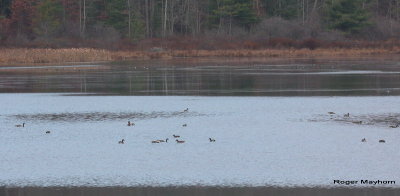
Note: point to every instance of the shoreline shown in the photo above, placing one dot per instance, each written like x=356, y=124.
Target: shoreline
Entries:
x=197, y=191
x=17, y=56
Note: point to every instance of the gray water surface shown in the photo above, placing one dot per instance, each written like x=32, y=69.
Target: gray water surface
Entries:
x=215, y=77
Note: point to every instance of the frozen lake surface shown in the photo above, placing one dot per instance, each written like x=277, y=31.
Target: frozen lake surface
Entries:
x=283, y=141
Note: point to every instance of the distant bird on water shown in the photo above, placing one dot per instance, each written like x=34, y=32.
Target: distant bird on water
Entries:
x=23, y=125
x=186, y=110
x=179, y=141
x=382, y=141
x=176, y=136
x=211, y=140
x=357, y=122
x=364, y=140
x=184, y=125
x=131, y=124
x=121, y=142
x=331, y=112
x=47, y=132
x=347, y=115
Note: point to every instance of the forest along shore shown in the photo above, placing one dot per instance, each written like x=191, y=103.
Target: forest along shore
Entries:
x=10, y=56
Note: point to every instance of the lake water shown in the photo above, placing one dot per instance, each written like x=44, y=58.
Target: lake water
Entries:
x=276, y=123
x=216, y=77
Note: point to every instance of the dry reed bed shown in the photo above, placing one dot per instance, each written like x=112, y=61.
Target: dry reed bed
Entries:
x=32, y=56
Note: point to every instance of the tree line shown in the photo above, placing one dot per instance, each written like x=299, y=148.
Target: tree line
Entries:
x=133, y=20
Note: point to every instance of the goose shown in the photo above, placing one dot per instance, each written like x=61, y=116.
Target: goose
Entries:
x=186, y=110
x=382, y=141
x=347, y=115
x=364, y=140
x=211, y=140
x=131, y=124
x=121, y=142
x=357, y=122
x=184, y=125
x=179, y=141
x=23, y=125
x=394, y=126
x=47, y=132
x=176, y=136
x=166, y=140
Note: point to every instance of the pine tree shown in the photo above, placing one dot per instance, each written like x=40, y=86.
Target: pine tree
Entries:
x=48, y=18
x=347, y=16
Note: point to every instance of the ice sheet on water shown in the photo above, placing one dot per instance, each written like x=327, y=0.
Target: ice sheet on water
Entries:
x=259, y=141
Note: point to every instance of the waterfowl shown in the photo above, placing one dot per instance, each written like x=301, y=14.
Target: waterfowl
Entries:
x=47, y=132
x=211, y=140
x=23, y=125
x=155, y=141
x=382, y=141
x=331, y=112
x=184, y=125
x=176, y=136
x=166, y=140
x=131, y=124
x=186, y=110
x=179, y=141
x=121, y=142
x=357, y=122
x=347, y=115
x=364, y=140
x=394, y=126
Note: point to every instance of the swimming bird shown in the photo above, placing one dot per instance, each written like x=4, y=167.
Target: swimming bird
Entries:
x=176, y=136
x=394, y=126
x=155, y=141
x=179, y=141
x=382, y=141
x=121, y=142
x=131, y=124
x=331, y=112
x=186, y=110
x=364, y=140
x=211, y=140
x=357, y=122
x=160, y=141
x=23, y=125
x=184, y=125
x=347, y=115
x=47, y=132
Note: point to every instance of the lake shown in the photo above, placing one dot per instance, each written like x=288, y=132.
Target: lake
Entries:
x=276, y=123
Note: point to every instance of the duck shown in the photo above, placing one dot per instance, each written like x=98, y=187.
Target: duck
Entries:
x=364, y=140
x=211, y=140
x=23, y=125
x=394, y=126
x=382, y=141
x=357, y=122
x=176, y=136
x=347, y=115
x=155, y=141
x=121, y=142
x=47, y=132
x=131, y=124
x=186, y=110
x=179, y=141
x=331, y=112
x=166, y=140
x=184, y=125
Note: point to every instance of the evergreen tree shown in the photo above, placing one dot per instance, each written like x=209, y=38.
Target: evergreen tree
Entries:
x=48, y=18
x=347, y=16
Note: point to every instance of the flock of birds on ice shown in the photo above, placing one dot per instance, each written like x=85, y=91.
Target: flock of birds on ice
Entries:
x=122, y=141
x=360, y=122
